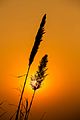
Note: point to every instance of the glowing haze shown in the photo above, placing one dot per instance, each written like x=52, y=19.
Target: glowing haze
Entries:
x=59, y=95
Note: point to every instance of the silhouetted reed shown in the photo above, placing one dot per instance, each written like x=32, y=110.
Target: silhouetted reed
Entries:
x=38, y=39
x=37, y=79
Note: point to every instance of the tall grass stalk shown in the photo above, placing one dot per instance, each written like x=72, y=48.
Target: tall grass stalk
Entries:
x=37, y=80
x=22, y=95
x=38, y=39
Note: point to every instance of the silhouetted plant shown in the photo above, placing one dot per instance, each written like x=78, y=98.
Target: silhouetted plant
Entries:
x=37, y=79
x=38, y=39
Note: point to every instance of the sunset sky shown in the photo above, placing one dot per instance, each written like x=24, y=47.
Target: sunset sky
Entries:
x=59, y=95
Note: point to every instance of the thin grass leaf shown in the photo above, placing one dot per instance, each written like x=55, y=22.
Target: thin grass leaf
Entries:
x=21, y=76
x=38, y=39
x=18, y=76
x=12, y=105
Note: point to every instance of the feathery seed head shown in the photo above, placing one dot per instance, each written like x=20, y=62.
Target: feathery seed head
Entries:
x=37, y=79
x=38, y=40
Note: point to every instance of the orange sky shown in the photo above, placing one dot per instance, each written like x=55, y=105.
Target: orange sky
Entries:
x=59, y=95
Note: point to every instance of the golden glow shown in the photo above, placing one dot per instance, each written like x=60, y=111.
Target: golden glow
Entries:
x=19, y=22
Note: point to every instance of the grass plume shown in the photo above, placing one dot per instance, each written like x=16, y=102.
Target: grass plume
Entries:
x=38, y=39
x=37, y=79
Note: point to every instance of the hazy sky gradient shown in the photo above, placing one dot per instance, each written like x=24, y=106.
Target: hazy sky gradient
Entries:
x=59, y=95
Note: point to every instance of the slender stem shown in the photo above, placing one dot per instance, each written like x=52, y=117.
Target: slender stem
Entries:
x=30, y=105
x=17, y=114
